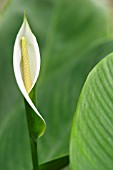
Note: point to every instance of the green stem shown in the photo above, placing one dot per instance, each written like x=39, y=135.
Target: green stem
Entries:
x=31, y=117
x=33, y=141
x=34, y=154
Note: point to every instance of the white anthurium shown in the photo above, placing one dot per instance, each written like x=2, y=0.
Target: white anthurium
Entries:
x=26, y=63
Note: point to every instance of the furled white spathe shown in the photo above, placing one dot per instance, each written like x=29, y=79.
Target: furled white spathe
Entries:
x=34, y=61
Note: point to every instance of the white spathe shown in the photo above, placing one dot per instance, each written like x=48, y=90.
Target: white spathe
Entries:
x=34, y=60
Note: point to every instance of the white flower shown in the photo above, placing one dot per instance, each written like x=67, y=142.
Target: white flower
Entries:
x=26, y=63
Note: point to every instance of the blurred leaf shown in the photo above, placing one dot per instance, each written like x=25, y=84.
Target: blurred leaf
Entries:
x=70, y=54
x=70, y=43
x=92, y=132
x=3, y=4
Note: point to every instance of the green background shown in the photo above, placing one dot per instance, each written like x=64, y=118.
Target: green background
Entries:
x=73, y=35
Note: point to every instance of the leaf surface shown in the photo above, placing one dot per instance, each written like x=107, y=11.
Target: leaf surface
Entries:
x=92, y=131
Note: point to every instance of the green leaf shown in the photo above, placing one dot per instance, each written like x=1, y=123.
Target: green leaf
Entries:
x=92, y=131
x=56, y=164
x=71, y=42
x=35, y=124
x=69, y=56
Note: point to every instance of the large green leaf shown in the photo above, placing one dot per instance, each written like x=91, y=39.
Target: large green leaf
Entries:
x=69, y=56
x=71, y=37
x=92, y=131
